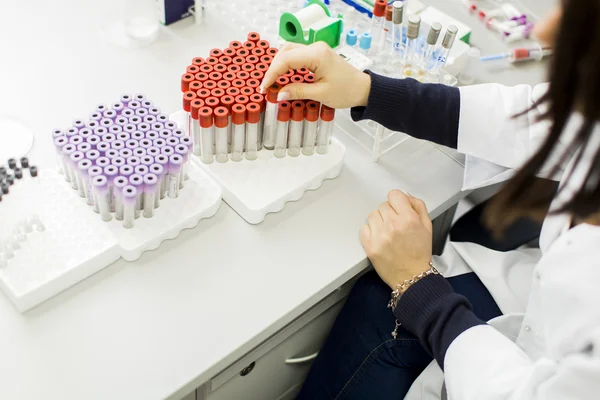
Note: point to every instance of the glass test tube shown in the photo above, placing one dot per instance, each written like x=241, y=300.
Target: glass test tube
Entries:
x=129, y=196
x=137, y=181
x=447, y=43
x=195, y=132
x=296, y=128
x=252, y=124
x=386, y=33
x=238, y=118
x=75, y=157
x=270, y=117
x=258, y=99
x=159, y=171
x=111, y=172
x=310, y=128
x=430, y=42
x=281, y=130
x=221, y=124
x=325, y=129
x=150, y=185
x=119, y=184
x=175, y=166
x=182, y=150
x=84, y=167
x=412, y=33
x=100, y=188
x=397, y=15
x=377, y=22
x=207, y=133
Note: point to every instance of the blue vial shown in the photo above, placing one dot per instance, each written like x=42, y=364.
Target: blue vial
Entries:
x=365, y=43
x=351, y=38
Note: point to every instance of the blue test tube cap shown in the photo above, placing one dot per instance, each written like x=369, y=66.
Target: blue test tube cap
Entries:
x=351, y=37
x=365, y=41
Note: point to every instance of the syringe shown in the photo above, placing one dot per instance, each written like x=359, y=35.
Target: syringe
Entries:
x=520, y=54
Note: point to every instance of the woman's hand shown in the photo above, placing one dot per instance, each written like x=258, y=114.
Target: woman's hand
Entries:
x=398, y=238
x=337, y=83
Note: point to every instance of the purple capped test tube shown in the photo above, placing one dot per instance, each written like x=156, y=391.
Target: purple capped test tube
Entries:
x=79, y=123
x=175, y=167
x=162, y=118
x=137, y=135
x=186, y=140
x=129, y=198
x=122, y=121
x=124, y=136
x=96, y=116
x=115, y=129
x=152, y=135
x=117, y=144
x=118, y=184
x=100, y=188
x=103, y=162
x=147, y=160
x=100, y=131
x=144, y=127
x=93, y=172
x=146, y=143
x=132, y=144
x=57, y=133
x=126, y=171
x=94, y=140
x=149, y=119
x=170, y=125
x=106, y=122
x=147, y=103
x=172, y=141
x=75, y=157
x=118, y=106
x=67, y=150
x=134, y=105
x=129, y=128
x=179, y=133
x=112, y=153
x=135, y=120
x=133, y=161
x=126, y=153
x=164, y=133
x=184, y=152
x=141, y=112
x=109, y=137
x=157, y=126
x=86, y=133
x=139, y=97
x=167, y=150
x=153, y=151
x=118, y=162
x=84, y=167
x=76, y=140
x=154, y=111
x=103, y=147
x=127, y=112
x=163, y=161
x=141, y=169
x=111, y=172
x=101, y=108
x=92, y=155
x=150, y=186
x=159, y=171
x=71, y=132
x=125, y=98
x=139, y=152
x=160, y=143
x=84, y=147
x=110, y=114
x=93, y=124
x=137, y=181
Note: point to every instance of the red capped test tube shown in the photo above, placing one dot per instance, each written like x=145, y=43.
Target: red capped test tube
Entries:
x=238, y=118
x=207, y=133
x=268, y=134
x=284, y=109
x=253, y=37
x=310, y=128
x=260, y=100
x=296, y=129
x=325, y=129
x=252, y=120
x=196, y=132
x=221, y=123
x=188, y=97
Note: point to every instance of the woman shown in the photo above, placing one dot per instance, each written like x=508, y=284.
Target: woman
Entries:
x=546, y=345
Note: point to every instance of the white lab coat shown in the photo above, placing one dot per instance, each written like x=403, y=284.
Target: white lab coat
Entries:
x=547, y=343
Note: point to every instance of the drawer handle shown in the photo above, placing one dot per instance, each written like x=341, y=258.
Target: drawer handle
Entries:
x=302, y=360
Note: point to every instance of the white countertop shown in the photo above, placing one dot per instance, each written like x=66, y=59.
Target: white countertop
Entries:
x=168, y=322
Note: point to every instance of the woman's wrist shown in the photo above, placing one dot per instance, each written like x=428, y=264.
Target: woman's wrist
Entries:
x=364, y=89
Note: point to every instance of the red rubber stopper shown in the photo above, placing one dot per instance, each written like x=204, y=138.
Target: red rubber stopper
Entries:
x=210, y=85
x=379, y=8
x=302, y=71
x=297, y=79
x=229, y=52
x=220, y=68
x=205, y=115
x=206, y=68
x=186, y=79
x=298, y=111
x=239, y=83
x=249, y=45
x=221, y=117
x=259, y=90
x=218, y=93
x=242, y=52
x=252, y=59
x=253, y=83
x=195, y=86
x=257, y=75
x=192, y=69
x=247, y=91
x=248, y=67
x=253, y=37
x=212, y=102
x=243, y=75
x=227, y=102
x=312, y=111
x=242, y=99
x=389, y=11
x=203, y=94
x=284, y=109
x=230, y=76
x=258, y=99
x=253, y=113
x=198, y=61
x=309, y=78
x=187, y=99
x=224, y=84
x=212, y=60
x=327, y=113
x=196, y=105
x=290, y=73
x=225, y=60
x=233, y=91
x=215, y=76
x=263, y=44
x=239, y=61
x=267, y=59
x=201, y=76
x=262, y=67
x=233, y=68
x=272, y=51
x=238, y=114
x=216, y=53
x=235, y=44
x=258, y=52
x=272, y=92
x=283, y=80
x=521, y=53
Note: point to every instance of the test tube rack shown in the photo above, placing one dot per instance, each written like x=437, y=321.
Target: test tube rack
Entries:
x=69, y=241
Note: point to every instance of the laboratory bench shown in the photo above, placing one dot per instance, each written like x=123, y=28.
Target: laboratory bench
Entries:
x=232, y=309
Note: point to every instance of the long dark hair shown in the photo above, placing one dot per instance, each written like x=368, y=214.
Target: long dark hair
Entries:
x=574, y=86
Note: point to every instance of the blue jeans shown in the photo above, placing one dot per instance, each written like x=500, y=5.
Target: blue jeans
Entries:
x=361, y=360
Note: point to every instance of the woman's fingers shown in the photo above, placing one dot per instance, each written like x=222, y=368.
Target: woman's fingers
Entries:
x=301, y=91
x=399, y=202
x=419, y=206
x=294, y=57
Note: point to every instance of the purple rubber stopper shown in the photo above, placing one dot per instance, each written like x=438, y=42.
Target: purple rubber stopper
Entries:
x=100, y=108
x=111, y=172
x=118, y=144
x=157, y=126
x=136, y=180
x=146, y=143
x=76, y=157
x=93, y=124
x=76, y=140
x=120, y=182
x=149, y=119
x=112, y=153
x=57, y=133
x=125, y=98
x=103, y=161
x=106, y=122
x=150, y=181
x=125, y=153
x=178, y=133
x=162, y=118
x=153, y=135
x=60, y=142
x=172, y=141
x=78, y=123
x=129, y=194
x=118, y=106
x=115, y=129
x=186, y=140
x=110, y=114
x=133, y=161
x=100, y=131
x=134, y=105
x=92, y=155
x=175, y=163
x=183, y=151
x=146, y=104
x=84, y=147
x=84, y=166
x=162, y=160
x=153, y=151
x=86, y=133
x=167, y=150
x=103, y=147
x=141, y=112
x=144, y=127
x=94, y=140
x=157, y=169
x=126, y=170
x=139, y=97
x=160, y=143
x=154, y=111
x=129, y=128
x=139, y=152
x=118, y=161
x=147, y=160
x=128, y=112
x=170, y=125
x=124, y=136
x=100, y=183
x=94, y=171
x=132, y=144
x=164, y=133
x=109, y=137
x=137, y=135
x=72, y=132
x=135, y=120
x=141, y=170
x=121, y=121
x=96, y=116
x=68, y=149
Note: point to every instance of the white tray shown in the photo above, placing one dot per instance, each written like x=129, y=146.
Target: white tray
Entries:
x=256, y=188
x=76, y=243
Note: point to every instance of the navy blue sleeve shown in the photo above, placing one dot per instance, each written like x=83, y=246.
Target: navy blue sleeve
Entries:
x=432, y=311
x=426, y=111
